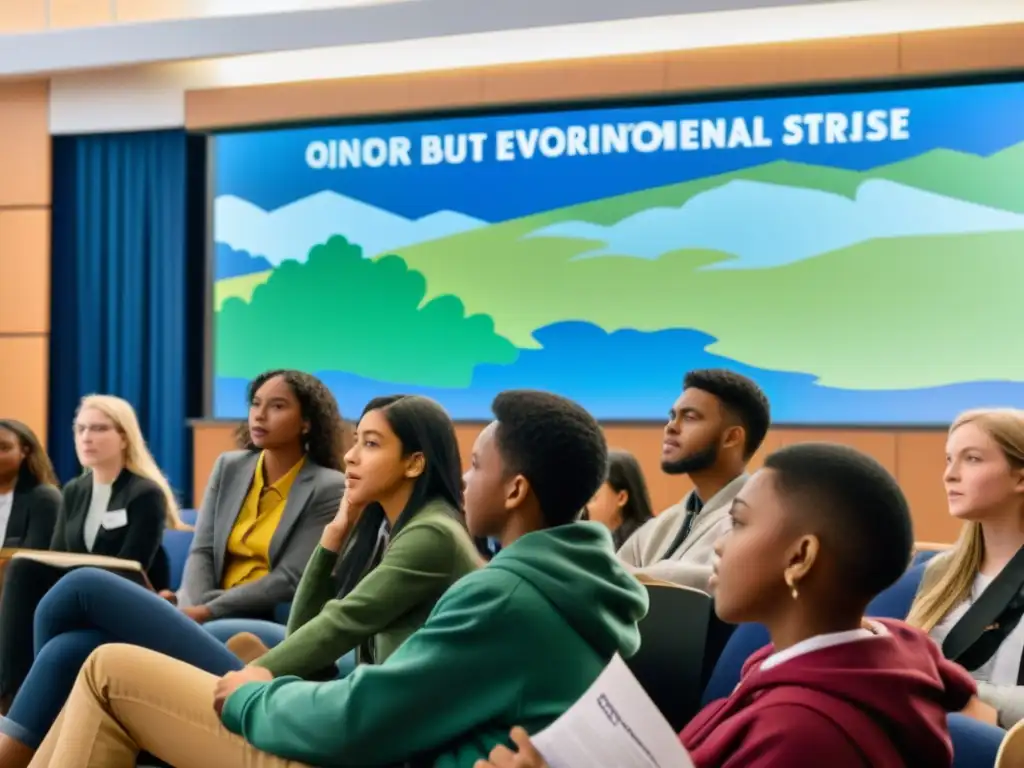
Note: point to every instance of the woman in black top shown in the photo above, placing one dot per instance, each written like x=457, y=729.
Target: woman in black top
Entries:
x=119, y=507
x=622, y=502
x=29, y=496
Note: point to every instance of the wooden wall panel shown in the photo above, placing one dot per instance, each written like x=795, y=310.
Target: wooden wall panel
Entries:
x=976, y=49
x=915, y=458
x=25, y=381
x=22, y=15
x=921, y=460
x=879, y=445
x=873, y=58
x=25, y=270
x=25, y=148
x=80, y=13
x=812, y=61
x=154, y=10
x=24, y=251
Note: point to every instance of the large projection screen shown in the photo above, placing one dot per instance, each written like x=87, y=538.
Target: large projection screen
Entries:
x=860, y=255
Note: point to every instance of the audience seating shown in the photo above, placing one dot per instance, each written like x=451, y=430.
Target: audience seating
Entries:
x=895, y=602
x=719, y=633
x=670, y=661
x=926, y=550
x=176, y=544
x=746, y=639
x=975, y=744
x=1011, y=750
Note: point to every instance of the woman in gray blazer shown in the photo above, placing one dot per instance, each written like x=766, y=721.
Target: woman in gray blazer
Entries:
x=263, y=513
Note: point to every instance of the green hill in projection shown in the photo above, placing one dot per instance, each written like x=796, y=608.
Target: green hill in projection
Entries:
x=883, y=314
x=996, y=180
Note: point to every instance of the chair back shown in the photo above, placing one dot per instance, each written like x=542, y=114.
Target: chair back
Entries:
x=744, y=641
x=670, y=661
x=1011, y=749
x=975, y=744
x=895, y=602
x=719, y=633
x=176, y=545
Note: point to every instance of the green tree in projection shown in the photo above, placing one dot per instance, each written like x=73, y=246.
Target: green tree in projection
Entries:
x=341, y=312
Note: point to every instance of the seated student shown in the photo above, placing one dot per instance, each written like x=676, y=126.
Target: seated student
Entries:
x=815, y=536
x=264, y=508
x=119, y=507
x=403, y=473
x=714, y=428
x=972, y=597
x=516, y=641
x=622, y=503
x=29, y=492
x=403, y=538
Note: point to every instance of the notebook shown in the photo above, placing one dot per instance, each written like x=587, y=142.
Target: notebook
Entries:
x=130, y=569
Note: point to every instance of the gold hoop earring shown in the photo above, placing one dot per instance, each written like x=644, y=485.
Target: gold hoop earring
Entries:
x=792, y=587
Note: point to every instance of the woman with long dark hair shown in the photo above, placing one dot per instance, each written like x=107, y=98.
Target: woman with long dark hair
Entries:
x=395, y=544
x=29, y=496
x=622, y=503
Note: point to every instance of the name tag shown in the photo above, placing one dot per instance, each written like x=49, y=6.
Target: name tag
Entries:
x=114, y=519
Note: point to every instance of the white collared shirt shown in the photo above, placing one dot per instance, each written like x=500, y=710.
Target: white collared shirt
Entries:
x=820, y=642
x=6, y=505
x=97, y=509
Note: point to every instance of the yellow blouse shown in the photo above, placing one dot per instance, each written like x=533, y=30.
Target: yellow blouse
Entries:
x=248, y=555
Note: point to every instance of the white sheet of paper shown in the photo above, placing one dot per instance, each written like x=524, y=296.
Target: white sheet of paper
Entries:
x=614, y=723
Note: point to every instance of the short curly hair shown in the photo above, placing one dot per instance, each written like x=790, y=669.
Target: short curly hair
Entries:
x=556, y=445
x=741, y=397
x=327, y=430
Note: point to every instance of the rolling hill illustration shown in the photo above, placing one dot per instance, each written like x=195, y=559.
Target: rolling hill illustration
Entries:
x=887, y=280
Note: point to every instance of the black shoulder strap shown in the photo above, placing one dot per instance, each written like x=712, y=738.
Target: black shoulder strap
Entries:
x=993, y=616
x=693, y=507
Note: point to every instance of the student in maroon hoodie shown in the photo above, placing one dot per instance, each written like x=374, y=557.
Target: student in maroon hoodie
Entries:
x=816, y=535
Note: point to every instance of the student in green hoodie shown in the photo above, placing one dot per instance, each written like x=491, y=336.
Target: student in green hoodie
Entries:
x=516, y=642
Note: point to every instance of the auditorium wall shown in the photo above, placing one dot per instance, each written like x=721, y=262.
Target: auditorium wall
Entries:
x=915, y=457
x=24, y=252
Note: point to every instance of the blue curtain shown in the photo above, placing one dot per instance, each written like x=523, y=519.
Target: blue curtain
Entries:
x=128, y=287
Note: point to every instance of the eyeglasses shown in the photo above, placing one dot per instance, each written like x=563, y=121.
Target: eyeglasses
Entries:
x=96, y=429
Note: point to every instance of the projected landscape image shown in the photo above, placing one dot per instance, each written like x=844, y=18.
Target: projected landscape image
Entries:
x=859, y=282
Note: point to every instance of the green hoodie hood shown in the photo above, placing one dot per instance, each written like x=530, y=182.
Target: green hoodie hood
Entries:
x=575, y=567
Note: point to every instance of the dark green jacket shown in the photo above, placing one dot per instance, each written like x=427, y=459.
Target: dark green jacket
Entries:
x=514, y=643
x=430, y=553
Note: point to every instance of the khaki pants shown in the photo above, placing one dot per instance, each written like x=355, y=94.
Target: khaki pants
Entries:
x=129, y=699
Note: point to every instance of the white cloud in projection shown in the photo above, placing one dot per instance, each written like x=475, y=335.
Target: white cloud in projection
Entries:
x=768, y=225
x=289, y=232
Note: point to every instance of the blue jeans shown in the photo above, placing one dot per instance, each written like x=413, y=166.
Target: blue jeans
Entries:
x=86, y=609
x=269, y=632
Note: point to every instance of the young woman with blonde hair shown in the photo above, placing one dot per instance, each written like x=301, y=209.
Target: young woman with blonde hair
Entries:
x=971, y=598
x=118, y=507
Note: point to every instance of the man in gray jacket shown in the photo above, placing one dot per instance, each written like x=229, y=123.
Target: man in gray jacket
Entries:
x=715, y=427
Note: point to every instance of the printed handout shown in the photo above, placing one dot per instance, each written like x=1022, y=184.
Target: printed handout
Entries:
x=613, y=724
